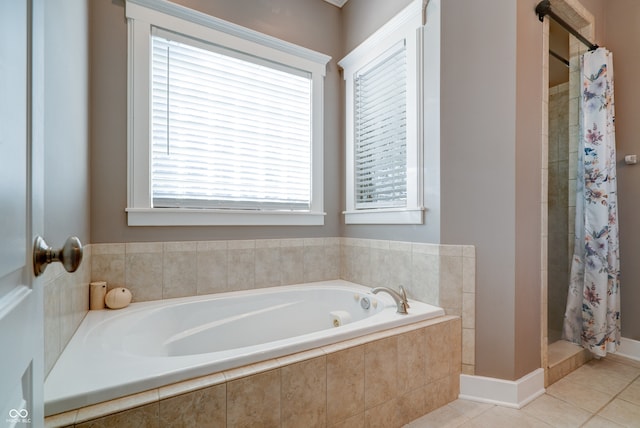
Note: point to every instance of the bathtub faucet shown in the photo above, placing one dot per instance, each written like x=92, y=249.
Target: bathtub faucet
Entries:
x=400, y=298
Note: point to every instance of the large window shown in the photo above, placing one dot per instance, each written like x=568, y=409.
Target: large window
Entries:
x=225, y=124
x=383, y=124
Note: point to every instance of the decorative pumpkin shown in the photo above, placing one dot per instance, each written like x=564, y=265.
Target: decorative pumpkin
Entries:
x=118, y=298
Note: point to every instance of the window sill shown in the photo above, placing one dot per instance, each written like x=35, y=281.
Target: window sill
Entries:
x=385, y=216
x=207, y=217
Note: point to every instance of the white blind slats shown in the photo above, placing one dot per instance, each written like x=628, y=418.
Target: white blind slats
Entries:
x=228, y=133
x=380, y=132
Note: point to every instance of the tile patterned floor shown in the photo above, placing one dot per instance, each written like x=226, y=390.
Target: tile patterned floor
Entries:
x=601, y=394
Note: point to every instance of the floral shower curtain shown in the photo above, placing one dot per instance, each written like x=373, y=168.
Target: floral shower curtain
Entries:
x=592, y=317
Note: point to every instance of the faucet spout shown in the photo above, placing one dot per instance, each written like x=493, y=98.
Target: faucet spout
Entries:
x=400, y=298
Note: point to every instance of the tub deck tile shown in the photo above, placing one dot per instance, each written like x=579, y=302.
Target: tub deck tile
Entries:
x=300, y=356
x=112, y=406
x=191, y=385
x=61, y=419
x=250, y=370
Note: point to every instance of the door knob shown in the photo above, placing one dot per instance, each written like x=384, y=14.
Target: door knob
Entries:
x=70, y=255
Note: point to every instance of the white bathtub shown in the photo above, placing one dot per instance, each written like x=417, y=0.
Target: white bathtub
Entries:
x=150, y=344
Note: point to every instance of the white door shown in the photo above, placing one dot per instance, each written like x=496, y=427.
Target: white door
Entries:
x=21, y=182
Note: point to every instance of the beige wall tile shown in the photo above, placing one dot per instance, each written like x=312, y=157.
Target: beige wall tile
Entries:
x=143, y=275
x=332, y=258
x=267, y=264
x=66, y=304
x=454, y=344
x=212, y=267
x=411, y=360
x=450, y=282
x=438, y=393
x=468, y=346
x=139, y=417
x=179, y=269
x=399, y=265
x=380, y=371
x=384, y=415
x=345, y=384
x=108, y=267
x=203, y=408
x=422, y=248
x=240, y=268
x=61, y=420
x=468, y=310
x=356, y=421
x=254, y=401
x=292, y=261
x=314, y=260
x=52, y=319
x=425, y=283
x=411, y=405
x=381, y=269
x=357, y=261
x=304, y=394
x=65, y=286
x=437, y=356
x=469, y=274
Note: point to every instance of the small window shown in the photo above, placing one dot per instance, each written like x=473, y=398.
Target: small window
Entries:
x=231, y=129
x=380, y=131
x=383, y=132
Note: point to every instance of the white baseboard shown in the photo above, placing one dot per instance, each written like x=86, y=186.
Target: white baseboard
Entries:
x=507, y=393
x=629, y=348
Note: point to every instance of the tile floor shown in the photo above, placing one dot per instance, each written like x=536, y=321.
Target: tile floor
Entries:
x=603, y=393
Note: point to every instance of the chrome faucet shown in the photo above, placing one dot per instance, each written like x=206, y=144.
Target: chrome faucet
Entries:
x=400, y=298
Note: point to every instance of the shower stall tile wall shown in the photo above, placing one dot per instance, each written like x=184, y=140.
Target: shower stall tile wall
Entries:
x=442, y=275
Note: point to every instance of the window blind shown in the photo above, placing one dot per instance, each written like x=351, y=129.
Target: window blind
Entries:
x=380, y=131
x=229, y=131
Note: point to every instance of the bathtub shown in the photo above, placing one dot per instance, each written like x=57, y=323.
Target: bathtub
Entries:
x=151, y=344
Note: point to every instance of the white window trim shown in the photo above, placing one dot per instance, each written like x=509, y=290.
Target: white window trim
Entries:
x=141, y=15
x=406, y=25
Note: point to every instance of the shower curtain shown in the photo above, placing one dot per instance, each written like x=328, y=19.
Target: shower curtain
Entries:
x=592, y=317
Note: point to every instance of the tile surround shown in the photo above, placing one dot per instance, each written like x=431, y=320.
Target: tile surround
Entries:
x=328, y=387
x=66, y=298
x=432, y=273
x=151, y=271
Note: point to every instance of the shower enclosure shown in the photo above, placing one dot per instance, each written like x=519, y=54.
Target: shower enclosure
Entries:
x=565, y=49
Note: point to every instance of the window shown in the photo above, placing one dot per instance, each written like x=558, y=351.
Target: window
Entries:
x=225, y=124
x=383, y=124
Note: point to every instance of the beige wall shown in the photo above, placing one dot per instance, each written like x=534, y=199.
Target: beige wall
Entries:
x=310, y=23
x=361, y=18
x=622, y=37
x=490, y=154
